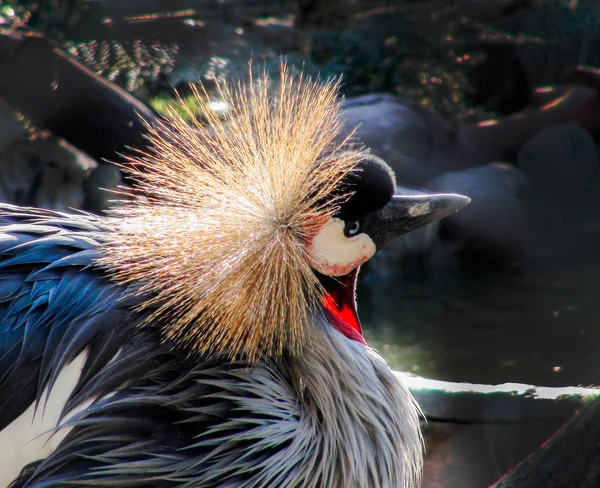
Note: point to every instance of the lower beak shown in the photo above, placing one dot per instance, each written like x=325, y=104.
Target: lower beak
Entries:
x=405, y=213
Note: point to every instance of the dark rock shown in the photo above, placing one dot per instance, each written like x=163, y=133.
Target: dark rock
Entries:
x=492, y=229
x=499, y=82
x=416, y=144
x=319, y=14
x=104, y=178
x=501, y=139
x=278, y=35
x=58, y=93
x=46, y=172
x=37, y=169
x=562, y=166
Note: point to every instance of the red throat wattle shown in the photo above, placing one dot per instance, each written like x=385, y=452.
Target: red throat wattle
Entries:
x=340, y=306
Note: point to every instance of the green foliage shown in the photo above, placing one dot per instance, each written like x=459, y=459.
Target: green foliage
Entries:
x=164, y=104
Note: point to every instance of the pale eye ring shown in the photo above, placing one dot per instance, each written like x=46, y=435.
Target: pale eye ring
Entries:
x=352, y=228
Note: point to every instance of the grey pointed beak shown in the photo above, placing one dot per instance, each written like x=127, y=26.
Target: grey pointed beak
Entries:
x=405, y=213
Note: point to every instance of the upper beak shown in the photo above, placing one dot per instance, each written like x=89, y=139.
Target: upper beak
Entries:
x=405, y=213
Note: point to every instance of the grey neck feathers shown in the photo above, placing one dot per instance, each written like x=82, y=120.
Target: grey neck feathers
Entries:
x=360, y=420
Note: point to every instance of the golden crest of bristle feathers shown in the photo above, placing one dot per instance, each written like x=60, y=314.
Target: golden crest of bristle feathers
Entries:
x=218, y=241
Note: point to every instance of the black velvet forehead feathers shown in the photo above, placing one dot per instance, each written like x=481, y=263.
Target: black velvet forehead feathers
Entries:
x=373, y=183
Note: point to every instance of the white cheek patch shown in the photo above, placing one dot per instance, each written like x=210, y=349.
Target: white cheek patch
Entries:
x=334, y=254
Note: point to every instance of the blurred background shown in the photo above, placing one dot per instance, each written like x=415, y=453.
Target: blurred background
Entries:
x=494, y=99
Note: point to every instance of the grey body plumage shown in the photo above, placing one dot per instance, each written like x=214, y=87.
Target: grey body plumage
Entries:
x=336, y=417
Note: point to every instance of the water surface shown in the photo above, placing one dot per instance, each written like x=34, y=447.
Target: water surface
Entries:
x=538, y=326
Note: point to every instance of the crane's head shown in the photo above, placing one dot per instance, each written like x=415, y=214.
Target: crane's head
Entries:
x=369, y=218
x=241, y=230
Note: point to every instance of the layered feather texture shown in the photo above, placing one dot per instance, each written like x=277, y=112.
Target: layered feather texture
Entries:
x=218, y=241
x=335, y=416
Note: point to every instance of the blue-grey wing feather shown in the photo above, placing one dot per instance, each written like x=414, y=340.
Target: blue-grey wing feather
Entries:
x=157, y=417
x=52, y=300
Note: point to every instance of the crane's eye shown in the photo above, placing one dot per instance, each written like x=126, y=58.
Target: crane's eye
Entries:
x=352, y=228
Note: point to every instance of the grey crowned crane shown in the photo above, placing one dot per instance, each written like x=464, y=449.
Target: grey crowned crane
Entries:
x=205, y=334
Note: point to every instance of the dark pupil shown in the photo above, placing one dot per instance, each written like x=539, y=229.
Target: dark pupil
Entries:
x=351, y=228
